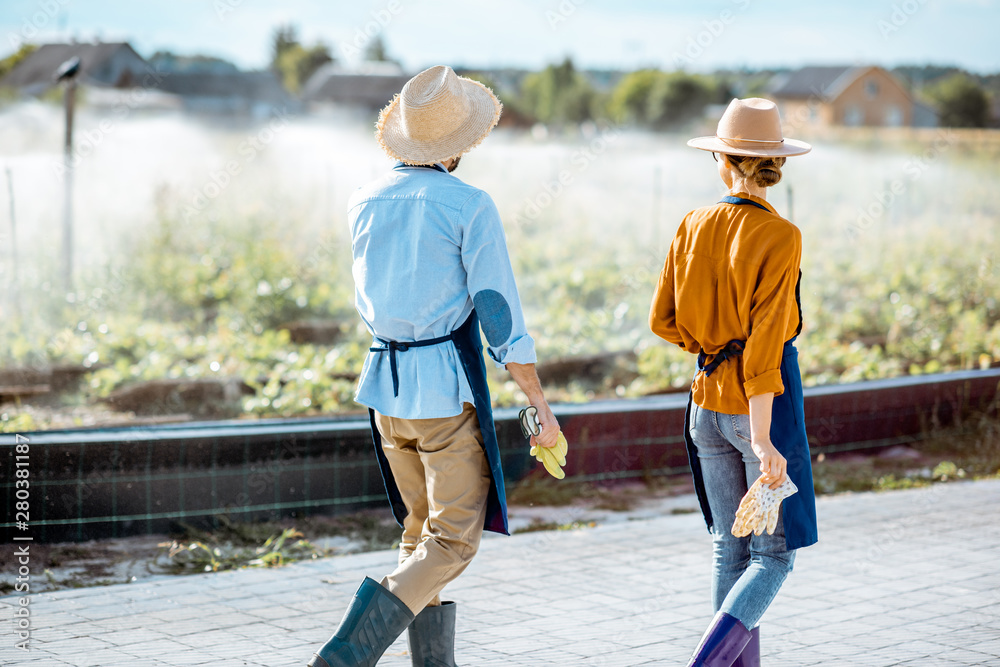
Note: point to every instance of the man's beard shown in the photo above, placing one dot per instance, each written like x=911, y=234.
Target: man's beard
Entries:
x=454, y=165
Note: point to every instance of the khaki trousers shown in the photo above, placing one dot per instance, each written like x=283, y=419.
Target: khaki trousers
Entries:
x=440, y=468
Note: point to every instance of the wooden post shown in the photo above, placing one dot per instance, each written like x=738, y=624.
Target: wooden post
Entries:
x=69, y=98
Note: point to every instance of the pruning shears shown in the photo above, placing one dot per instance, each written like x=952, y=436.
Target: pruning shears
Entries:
x=528, y=417
x=553, y=458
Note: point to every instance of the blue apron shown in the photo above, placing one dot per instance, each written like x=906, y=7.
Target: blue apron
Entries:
x=788, y=434
x=470, y=350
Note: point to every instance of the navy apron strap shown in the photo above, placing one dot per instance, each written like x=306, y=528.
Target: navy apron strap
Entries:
x=394, y=346
x=399, y=511
x=435, y=166
x=733, y=348
x=695, y=463
x=470, y=352
x=729, y=199
x=788, y=434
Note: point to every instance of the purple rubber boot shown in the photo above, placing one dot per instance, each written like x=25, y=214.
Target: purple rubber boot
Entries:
x=722, y=643
x=751, y=652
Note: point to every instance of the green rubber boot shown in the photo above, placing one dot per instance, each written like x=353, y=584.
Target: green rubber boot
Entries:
x=432, y=637
x=371, y=624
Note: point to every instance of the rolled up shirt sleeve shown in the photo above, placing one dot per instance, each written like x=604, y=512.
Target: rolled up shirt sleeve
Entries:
x=773, y=309
x=663, y=311
x=491, y=283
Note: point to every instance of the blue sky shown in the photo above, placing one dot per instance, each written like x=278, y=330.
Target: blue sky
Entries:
x=596, y=33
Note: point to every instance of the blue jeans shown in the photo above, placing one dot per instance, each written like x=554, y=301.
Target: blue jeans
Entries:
x=747, y=572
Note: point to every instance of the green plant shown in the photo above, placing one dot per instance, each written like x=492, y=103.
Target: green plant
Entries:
x=538, y=525
x=661, y=100
x=558, y=94
x=961, y=101
x=201, y=556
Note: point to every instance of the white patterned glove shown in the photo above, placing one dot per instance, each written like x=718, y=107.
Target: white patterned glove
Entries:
x=758, y=511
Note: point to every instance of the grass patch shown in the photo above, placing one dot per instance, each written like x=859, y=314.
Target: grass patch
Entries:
x=199, y=556
x=538, y=525
x=968, y=451
x=547, y=492
x=234, y=545
x=616, y=496
x=75, y=582
x=375, y=529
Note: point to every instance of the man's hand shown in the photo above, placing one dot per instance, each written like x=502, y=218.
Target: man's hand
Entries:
x=550, y=427
x=527, y=379
x=550, y=437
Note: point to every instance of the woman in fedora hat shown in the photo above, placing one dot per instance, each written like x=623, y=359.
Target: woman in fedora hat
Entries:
x=729, y=292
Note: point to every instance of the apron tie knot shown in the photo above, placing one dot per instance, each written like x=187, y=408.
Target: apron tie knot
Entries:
x=394, y=346
x=733, y=348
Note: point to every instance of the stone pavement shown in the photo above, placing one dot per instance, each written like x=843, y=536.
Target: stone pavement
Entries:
x=899, y=578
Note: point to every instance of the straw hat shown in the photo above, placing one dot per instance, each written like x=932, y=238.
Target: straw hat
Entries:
x=751, y=127
x=438, y=115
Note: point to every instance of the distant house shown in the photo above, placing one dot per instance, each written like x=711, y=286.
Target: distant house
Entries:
x=255, y=94
x=847, y=96
x=194, y=84
x=112, y=65
x=369, y=86
x=167, y=61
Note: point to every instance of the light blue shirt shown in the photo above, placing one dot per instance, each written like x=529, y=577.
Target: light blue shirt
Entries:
x=427, y=248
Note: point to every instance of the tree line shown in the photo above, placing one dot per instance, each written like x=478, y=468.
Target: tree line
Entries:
x=561, y=94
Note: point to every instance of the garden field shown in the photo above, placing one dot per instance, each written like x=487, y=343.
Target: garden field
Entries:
x=219, y=253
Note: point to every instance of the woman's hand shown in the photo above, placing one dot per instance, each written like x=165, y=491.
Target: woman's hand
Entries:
x=773, y=466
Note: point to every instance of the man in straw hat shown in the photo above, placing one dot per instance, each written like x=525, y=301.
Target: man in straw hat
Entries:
x=729, y=293
x=431, y=268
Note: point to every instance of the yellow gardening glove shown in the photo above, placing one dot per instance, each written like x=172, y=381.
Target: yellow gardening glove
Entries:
x=553, y=458
x=758, y=511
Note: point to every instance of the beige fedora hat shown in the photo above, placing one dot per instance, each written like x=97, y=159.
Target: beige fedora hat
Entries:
x=437, y=116
x=751, y=127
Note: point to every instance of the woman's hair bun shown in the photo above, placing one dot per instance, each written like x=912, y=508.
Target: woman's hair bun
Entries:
x=761, y=171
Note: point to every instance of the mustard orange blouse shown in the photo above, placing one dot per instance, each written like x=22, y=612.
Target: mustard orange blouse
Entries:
x=731, y=273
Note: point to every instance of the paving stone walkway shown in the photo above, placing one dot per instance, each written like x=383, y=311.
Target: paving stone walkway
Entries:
x=899, y=578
